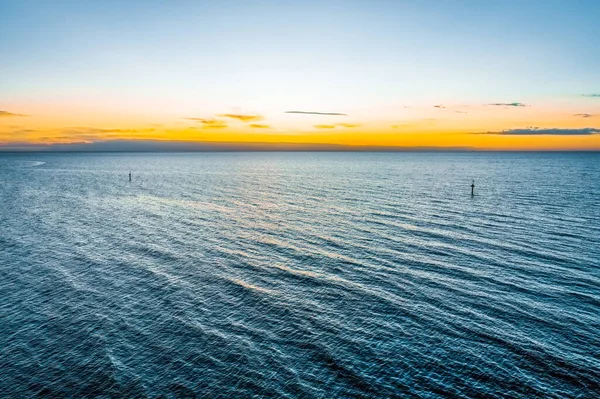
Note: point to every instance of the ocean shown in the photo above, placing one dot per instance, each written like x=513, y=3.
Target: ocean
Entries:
x=300, y=275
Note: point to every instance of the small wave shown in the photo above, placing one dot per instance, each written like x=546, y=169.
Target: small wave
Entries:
x=30, y=164
x=251, y=287
x=21, y=164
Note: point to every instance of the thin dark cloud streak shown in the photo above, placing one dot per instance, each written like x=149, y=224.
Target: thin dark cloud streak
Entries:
x=242, y=117
x=315, y=113
x=8, y=114
x=584, y=115
x=508, y=105
x=210, y=123
x=197, y=119
x=591, y=95
x=536, y=131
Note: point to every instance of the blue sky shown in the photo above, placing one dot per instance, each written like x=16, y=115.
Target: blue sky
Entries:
x=475, y=49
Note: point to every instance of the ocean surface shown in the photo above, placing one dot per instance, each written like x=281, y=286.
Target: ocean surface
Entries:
x=300, y=275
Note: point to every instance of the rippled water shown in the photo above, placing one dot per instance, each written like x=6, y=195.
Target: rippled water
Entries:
x=300, y=275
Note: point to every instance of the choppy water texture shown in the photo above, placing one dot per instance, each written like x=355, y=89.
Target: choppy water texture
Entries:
x=300, y=275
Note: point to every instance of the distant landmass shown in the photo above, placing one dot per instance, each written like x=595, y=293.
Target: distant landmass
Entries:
x=187, y=146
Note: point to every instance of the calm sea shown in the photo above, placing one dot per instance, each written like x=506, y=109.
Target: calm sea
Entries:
x=300, y=275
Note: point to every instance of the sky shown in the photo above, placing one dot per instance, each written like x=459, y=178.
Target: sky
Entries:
x=448, y=74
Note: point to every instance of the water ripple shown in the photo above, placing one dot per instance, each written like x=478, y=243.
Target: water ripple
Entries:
x=299, y=275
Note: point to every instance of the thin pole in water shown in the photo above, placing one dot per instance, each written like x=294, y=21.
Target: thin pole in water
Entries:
x=130, y=176
x=473, y=188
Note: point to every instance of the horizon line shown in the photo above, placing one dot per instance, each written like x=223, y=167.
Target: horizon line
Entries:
x=220, y=146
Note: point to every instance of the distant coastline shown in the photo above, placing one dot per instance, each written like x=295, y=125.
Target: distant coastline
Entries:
x=183, y=146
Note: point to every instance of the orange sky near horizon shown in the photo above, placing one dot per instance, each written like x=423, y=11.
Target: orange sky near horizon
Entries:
x=477, y=126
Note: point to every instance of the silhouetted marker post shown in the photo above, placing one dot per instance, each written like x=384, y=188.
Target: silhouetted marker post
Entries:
x=130, y=176
x=473, y=188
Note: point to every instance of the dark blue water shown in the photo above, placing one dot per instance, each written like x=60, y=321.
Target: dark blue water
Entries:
x=300, y=275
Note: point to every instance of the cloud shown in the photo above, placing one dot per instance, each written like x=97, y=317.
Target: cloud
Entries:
x=79, y=134
x=259, y=126
x=438, y=106
x=6, y=113
x=201, y=120
x=210, y=123
x=584, y=115
x=315, y=113
x=460, y=112
x=17, y=134
x=324, y=126
x=536, y=131
x=91, y=134
x=591, y=95
x=508, y=105
x=336, y=125
x=214, y=123
x=243, y=118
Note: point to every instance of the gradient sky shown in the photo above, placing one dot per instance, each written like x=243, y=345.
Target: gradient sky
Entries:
x=449, y=73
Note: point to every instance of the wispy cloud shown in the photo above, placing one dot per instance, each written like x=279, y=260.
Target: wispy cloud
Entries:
x=17, y=133
x=259, y=126
x=584, y=115
x=591, y=95
x=242, y=117
x=210, y=123
x=324, y=126
x=6, y=113
x=196, y=119
x=508, y=105
x=336, y=125
x=536, y=131
x=93, y=133
x=71, y=134
x=438, y=106
x=460, y=112
x=315, y=113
